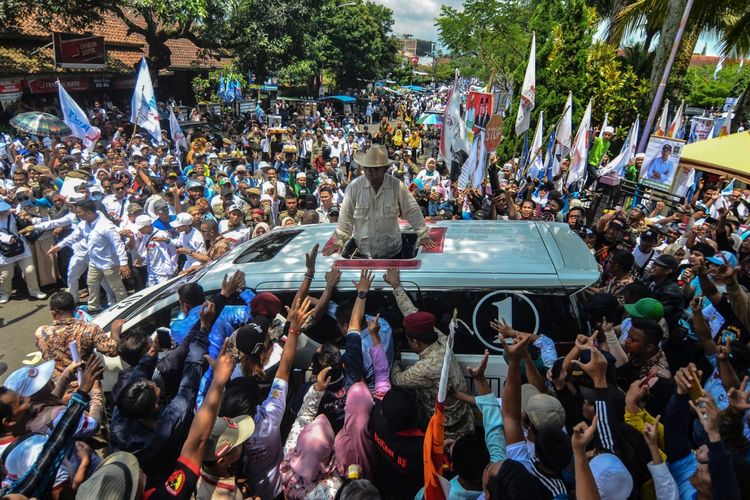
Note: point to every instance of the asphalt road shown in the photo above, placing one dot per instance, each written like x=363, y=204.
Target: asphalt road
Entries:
x=18, y=321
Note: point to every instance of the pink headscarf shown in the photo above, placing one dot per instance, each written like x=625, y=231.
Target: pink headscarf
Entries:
x=310, y=461
x=353, y=443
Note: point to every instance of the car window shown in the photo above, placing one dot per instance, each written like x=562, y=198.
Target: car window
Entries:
x=267, y=247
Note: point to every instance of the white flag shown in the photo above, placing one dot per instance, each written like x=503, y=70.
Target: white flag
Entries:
x=76, y=119
x=563, y=134
x=627, y=152
x=537, y=161
x=579, y=154
x=528, y=92
x=661, y=125
x=605, y=124
x=454, y=144
x=177, y=136
x=677, y=122
x=143, y=110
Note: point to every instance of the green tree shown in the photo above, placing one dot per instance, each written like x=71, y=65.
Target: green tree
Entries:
x=703, y=91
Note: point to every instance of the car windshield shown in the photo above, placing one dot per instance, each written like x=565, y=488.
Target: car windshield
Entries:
x=267, y=246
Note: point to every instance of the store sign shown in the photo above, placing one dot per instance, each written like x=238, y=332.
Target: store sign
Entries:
x=47, y=85
x=124, y=83
x=10, y=85
x=101, y=83
x=79, y=51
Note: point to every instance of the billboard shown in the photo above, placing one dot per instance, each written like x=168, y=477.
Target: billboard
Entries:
x=660, y=165
x=79, y=51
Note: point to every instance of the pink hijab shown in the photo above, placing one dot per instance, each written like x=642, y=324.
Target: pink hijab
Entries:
x=311, y=459
x=353, y=443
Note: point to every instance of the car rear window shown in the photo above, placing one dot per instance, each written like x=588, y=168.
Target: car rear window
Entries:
x=267, y=247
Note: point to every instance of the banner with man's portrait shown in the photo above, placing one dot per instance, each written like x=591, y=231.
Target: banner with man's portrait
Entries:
x=661, y=161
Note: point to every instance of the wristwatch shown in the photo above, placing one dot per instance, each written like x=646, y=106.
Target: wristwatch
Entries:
x=361, y=295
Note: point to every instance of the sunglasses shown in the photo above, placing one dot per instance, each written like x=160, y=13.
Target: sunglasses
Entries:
x=23, y=198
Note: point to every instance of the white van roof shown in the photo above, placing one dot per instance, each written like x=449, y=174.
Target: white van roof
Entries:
x=499, y=254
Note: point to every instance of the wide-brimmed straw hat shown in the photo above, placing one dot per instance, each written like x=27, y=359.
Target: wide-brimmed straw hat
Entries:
x=376, y=156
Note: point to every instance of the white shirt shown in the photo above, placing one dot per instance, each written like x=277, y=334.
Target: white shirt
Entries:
x=105, y=247
x=279, y=187
x=116, y=208
x=429, y=179
x=161, y=258
x=8, y=223
x=192, y=240
x=372, y=218
x=138, y=252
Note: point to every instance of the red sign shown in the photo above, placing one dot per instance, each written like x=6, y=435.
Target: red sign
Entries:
x=493, y=133
x=10, y=85
x=79, y=51
x=47, y=85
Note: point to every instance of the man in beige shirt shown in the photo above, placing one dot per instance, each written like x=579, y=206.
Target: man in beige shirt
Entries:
x=371, y=209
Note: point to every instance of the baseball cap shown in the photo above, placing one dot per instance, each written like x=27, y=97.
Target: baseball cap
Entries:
x=666, y=261
x=116, y=478
x=650, y=234
x=29, y=380
x=228, y=433
x=642, y=208
x=618, y=223
x=142, y=221
x=4, y=206
x=160, y=205
x=133, y=208
x=251, y=338
x=240, y=168
x=254, y=191
x=646, y=308
x=612, y=478
x=728, y=259
x=264, y=165
x=543, y=410
x=182, y=219
x=232, y=208
x=79, y=198
x=192, y=184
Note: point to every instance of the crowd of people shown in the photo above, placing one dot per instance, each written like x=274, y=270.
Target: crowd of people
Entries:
x=650, y=401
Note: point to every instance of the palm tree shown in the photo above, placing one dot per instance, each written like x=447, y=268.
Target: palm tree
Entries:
x=736, y=42
x=663, y=17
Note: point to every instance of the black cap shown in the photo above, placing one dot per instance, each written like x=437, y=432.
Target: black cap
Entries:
x=617, y=223
x=251, y=337
x=649, y=234
x=666, y=261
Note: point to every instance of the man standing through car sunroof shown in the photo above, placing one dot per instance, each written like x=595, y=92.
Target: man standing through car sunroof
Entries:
x=371, y=209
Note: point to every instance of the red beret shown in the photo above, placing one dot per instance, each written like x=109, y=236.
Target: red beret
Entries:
x=265, y=304
x=257, y=211
x=419, y=324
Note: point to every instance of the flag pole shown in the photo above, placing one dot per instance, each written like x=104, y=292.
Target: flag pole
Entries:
x=137, y=114
x=663, y=83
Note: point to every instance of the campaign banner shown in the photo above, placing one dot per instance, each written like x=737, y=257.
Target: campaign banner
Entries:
x=478, y=110
x=700, y=128
x=79, y=51
x=660, y=164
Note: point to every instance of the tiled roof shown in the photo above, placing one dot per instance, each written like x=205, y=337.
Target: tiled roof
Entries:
x=124, y=50
x=701, y=60
x=30, y=60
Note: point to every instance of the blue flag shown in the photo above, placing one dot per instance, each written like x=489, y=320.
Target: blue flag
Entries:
x=547, y=171
x=229, y=94
x=237, y=90
x=222, y=88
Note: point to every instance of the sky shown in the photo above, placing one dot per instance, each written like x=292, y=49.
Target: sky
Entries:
x=417, y=18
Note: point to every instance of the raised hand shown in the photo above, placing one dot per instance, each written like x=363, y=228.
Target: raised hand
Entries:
x=651, y=433
x=503, y=328
x=231, y=284
x=366, y=278
x=740, y=399
x=374, y=327
x=517, y=350
x=392, y=276
x=323, y=380
x=92, y=371
x=310, y=260
x=582, y=435
x=332, y=277
x=708, y=415
x=596, y=367
x=298, y=313
x=224, y=364
x=478, y=372
x=207, y=315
